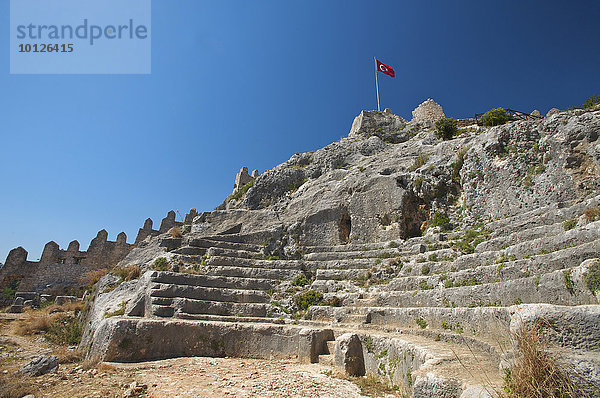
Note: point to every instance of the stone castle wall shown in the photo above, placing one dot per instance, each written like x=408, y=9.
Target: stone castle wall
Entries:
x=59, y=271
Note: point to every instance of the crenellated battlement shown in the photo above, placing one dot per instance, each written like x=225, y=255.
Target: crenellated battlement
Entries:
x=59, y=269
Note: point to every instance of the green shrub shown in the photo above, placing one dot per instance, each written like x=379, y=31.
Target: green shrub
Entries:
x=440, y=220
x=568, y=281
x=494, y=117
x=592, y=101
x=65, y=331
x=243, y=190
x=592, y=277
x=418, y=182
x=307, y=299
x=446, y=128
x=421, y=322
x=10, y=289
x=301, y=280
x=570, y=224
x=419, y=161
x=457, y=166
x=160, y=264
x=425, y=270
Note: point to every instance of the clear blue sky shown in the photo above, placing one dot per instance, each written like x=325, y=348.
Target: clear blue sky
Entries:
x=249, y=83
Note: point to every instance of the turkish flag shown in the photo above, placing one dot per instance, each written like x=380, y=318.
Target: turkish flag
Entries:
x=383, y=68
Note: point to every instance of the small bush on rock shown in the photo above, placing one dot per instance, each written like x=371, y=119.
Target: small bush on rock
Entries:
x=301, y=280
x=592, y=277
x=494, y=117
x=591, y=102
x=160, y=264
x=307, y=299
x=446, y=128
x=419, y=161
x=440, y=220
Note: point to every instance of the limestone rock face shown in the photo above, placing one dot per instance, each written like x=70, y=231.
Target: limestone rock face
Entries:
x=428, y=112
x=453, y=244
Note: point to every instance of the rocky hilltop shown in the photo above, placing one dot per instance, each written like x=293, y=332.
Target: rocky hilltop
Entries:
x=390, y=252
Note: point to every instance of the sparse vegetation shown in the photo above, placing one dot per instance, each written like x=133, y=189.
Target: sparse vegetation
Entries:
x=590, y=103
x=90, y=278
x=307, y=299
x=592, y=213
x=419, y=161
x=301, y=280
x=440, y=220
x=592, y=277
x=535, y=372
x=242, y=192
x=458, y=164
x=11, y=288
x=65, y=331
x=421, y=322
x=118, y=312
x=160, y=264
x=446, y=128
x=128, y=273
x=570, y=224
x=494, y=117
x=471, y=239
x=425, y=270
x=175, y=232
x=568, y=281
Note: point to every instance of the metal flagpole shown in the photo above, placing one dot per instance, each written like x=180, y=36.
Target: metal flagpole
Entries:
x=377, y=84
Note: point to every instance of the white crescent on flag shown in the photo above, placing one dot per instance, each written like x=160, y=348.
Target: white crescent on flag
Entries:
x=386, y=69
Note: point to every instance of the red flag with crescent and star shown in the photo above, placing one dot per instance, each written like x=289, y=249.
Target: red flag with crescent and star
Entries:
x=386, y=69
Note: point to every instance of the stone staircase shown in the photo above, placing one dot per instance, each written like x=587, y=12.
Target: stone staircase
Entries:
x=416, y=306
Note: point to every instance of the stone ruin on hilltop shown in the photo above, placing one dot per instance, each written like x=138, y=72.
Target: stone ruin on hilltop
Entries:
x=390, y=252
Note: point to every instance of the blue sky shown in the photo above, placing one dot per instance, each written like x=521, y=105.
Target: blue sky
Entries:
x=249, y=83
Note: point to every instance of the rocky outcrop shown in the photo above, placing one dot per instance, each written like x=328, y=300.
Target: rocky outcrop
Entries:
x=40, y=365
x=389, y=252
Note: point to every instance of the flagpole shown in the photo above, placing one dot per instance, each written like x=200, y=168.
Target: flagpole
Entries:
x=376, y=84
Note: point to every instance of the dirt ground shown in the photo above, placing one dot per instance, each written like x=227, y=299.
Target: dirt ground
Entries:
x=178, y=377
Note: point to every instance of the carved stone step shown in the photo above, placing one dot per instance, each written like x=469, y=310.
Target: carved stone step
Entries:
x=208, y=293
x=190, y=306
x=213, y=281
x=246, y=272
x=207, y=243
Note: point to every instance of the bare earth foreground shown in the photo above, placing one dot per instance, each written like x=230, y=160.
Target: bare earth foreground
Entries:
x=177, y=377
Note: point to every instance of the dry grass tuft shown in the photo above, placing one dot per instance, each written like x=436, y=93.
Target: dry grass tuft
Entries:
x=176, y=232
x=592, y=213
x=16, y=386
x=66, y=355
x=535, y=372
x=36, y=322
x=128, y=273
x=104, y=367
x=92, y=277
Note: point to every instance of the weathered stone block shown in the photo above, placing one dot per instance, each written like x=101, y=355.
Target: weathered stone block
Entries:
x=348, y=355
